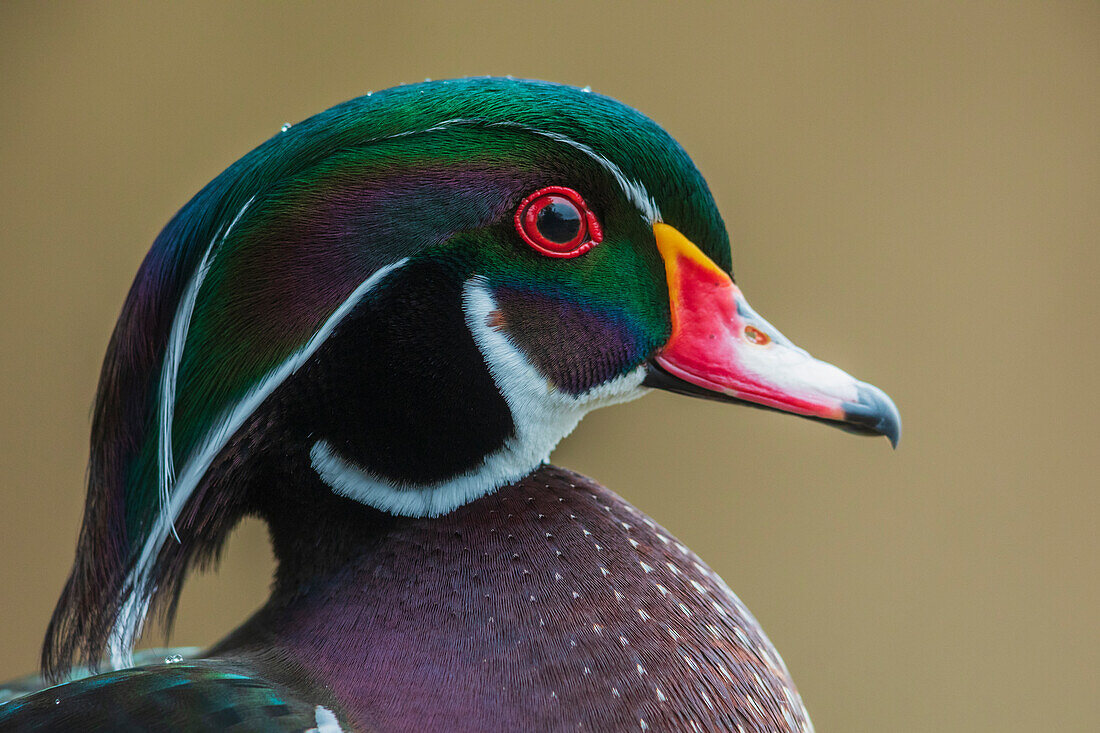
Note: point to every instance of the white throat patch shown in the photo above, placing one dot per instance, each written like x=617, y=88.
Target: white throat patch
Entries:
x=542, y=416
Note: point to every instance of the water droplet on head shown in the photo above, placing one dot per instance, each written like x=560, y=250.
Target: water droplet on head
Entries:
x=285, y=127
x=172, y=659
x=586, y=89
x=427, y=78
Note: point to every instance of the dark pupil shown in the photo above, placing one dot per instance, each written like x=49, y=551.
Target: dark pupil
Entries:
x=559, y=221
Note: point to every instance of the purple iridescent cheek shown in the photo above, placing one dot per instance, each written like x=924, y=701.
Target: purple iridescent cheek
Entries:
x=575, y=346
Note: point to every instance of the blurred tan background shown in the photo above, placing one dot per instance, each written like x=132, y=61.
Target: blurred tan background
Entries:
x=913, y=192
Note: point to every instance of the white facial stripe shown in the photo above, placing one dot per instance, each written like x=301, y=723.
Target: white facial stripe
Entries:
x=541, y=414
x=138, y=591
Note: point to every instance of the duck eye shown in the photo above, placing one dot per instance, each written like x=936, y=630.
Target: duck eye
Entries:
x=559, y=220
x=556, y=222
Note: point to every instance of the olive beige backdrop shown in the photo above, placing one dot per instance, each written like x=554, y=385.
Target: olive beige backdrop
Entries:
x=912, y=193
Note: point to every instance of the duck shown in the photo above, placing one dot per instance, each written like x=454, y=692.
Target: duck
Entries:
x=370, y=332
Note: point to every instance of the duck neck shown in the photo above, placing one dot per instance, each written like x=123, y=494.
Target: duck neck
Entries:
x=318, y=536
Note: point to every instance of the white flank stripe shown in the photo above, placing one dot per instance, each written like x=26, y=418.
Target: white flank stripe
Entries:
x=134, y=608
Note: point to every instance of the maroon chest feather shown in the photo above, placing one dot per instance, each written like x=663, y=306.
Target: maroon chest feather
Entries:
x=549, y=605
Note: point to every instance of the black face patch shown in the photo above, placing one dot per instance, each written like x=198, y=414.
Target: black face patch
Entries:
x=575, y=346
x=400, y=389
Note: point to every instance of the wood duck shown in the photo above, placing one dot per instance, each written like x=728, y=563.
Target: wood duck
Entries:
x=370, y=332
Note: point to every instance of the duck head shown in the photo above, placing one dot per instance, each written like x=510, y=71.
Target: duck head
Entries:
x=413, y=296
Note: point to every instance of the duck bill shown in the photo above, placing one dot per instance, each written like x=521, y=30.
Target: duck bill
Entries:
x=720, y=348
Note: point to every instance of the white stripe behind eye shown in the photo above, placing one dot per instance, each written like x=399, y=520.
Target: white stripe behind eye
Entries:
x=632, y=188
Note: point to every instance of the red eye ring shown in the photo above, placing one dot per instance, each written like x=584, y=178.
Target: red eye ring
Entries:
x=527, y=221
